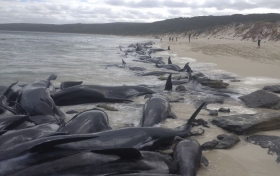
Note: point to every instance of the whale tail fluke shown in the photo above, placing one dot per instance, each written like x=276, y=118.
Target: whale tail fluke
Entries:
x=52, y=77
x=168, y=85
x=188, y=125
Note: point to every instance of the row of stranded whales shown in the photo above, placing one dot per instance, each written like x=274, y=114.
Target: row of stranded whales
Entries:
x=14, y=137
x=87, y=145
x=171, y=66
x=95, y=93
x=160, y=64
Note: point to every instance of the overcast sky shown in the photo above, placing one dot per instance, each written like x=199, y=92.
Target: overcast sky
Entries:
x=106, y=11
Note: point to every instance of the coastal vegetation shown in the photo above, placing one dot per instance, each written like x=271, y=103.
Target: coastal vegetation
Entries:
x=180, y=26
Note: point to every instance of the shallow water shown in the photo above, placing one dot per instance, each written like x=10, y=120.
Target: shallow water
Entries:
x=27, y=57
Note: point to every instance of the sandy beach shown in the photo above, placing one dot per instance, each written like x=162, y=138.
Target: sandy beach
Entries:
x=240, y=57
x=254, y=66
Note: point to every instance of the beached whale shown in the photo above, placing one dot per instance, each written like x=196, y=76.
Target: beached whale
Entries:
x=137, y=68
x=90, y=121
x=15, y=137
x=156, y=110
x=94, y=93
x=32, y=99
x=21, y=156
x=169, y=66
x=157, y=73
x=41, y=144
x=104, y=162
x=174, y=67
x=179, y=82
x=188, y=155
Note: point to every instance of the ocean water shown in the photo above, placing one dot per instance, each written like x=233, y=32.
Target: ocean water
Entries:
x=27, y=56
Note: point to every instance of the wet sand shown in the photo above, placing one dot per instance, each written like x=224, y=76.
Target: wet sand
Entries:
x=254, y=67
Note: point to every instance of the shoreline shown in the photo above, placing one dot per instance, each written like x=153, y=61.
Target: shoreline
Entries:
x=258, y=66
x=243, y=159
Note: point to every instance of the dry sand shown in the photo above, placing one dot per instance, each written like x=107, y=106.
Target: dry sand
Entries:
x=255, y=66
x=244, y=58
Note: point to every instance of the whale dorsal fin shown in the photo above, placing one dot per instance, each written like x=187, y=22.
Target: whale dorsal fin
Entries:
x=169, y=61
x=168, y=85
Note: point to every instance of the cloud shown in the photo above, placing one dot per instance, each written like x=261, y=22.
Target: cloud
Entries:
x=104, y=11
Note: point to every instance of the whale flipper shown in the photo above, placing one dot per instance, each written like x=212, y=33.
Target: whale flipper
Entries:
x=204, y=161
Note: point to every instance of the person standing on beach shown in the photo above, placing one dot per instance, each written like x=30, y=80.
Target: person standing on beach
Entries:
x=169, y=38
x=189, y=37
x=259, y=39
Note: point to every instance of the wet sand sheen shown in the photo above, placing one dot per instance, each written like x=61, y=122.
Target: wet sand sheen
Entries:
x=244, y=158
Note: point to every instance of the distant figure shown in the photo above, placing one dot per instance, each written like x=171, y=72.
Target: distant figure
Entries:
x=259, y=39
x=189, y=37
x=169, y=38
x=172, y=38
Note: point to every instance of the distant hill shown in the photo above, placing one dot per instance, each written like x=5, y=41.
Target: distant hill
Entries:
x=178, y=26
